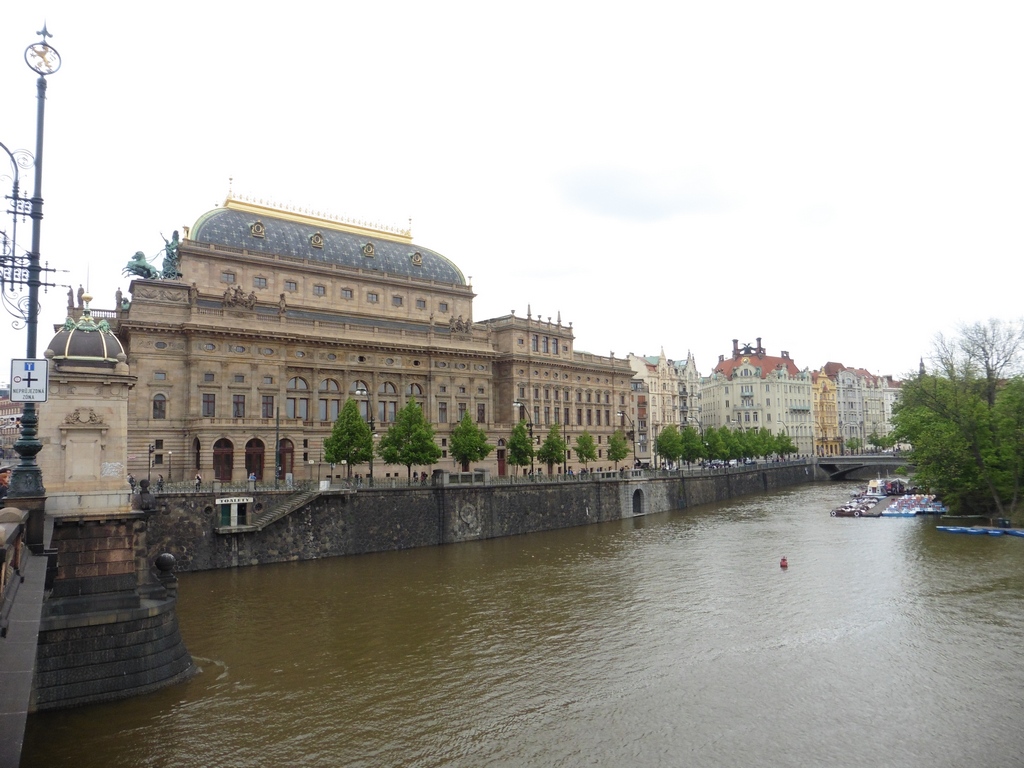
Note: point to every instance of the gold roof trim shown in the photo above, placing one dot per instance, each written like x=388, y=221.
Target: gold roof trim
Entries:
x=317, y=219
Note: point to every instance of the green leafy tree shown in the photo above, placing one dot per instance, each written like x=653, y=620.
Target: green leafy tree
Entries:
x=692, y=445
x=854, y=444
x=717, y=439
x=410, y=440
x=552, y=450
x=351, y=440
x=784, y=444
x=520, y=447
x=585, y=449
x=469, y=443
x=618, y=447
x=965, y=421
x=764, y=444
x=670, y=444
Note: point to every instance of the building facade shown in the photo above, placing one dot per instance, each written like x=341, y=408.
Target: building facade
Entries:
x=752, y=389
x=280, y=316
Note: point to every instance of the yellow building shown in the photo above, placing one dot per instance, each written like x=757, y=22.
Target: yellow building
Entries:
x=827, y=441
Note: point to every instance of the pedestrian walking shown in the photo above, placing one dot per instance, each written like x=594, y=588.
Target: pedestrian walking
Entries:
x=159, y=483
x=199, y=480
x=131, y=481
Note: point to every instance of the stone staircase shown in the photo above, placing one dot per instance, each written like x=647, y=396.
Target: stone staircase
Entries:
x=285, y=507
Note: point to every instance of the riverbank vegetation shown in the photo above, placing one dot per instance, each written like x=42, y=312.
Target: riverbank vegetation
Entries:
x=965, y=420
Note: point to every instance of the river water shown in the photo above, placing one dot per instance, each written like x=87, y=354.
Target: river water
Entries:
x=670, y=640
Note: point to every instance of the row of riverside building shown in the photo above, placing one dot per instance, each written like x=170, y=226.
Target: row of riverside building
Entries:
x=276, y=317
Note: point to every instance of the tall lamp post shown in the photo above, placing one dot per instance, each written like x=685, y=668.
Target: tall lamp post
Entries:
x=785, y=426
x=363, y=392
x=529, y=426
x=700, y=426
x=27, y=479
x=632, y=432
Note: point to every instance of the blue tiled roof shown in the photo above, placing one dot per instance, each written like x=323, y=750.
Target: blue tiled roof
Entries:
x=234, y=228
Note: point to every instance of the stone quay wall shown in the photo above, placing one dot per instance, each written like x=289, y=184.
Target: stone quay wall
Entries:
x=188, y=525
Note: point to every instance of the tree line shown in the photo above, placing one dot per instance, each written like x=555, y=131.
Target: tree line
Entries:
x=410, y=442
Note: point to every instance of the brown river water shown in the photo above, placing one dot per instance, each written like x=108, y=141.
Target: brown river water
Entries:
x=670, y=640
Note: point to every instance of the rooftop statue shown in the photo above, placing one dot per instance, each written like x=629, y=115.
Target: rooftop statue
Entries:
x=140, y=267
x=171, y=260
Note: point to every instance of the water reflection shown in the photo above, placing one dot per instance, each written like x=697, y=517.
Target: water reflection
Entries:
x=668, y=640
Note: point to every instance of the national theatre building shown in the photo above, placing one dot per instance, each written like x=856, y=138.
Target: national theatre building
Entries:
x=276, y=317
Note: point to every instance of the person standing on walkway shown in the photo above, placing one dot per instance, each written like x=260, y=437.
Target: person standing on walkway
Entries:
x=199, y=480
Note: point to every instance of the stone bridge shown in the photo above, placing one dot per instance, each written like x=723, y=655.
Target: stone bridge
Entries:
x=862, y=465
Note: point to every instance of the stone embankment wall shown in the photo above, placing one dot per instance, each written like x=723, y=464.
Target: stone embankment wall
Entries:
x=380, y=519
x=109, y=629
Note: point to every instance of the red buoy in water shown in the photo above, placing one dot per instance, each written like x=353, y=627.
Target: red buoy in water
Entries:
x=783, y=563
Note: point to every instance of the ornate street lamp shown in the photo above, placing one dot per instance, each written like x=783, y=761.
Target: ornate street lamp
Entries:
x=26, y=479
x=362, y=392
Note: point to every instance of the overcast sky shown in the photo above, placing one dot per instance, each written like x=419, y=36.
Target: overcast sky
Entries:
x=842, y=180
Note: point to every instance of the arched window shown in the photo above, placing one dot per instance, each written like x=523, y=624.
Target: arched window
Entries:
x=296, y=406
x=159, y=407
x=387, y=403
x=223, y=459
x=329, y=402
x=361, y=390
x=254, y=453
x=414, y=390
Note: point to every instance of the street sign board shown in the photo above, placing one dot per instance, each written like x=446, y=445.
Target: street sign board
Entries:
x=28, y=381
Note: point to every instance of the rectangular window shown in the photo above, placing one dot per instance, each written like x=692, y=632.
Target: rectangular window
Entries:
x=209, y=405
x=159, y=375
x=372, y=298
x=227, y=277
x=158, y=459
x=544, y=344
x=421, y=303
x=239, y=378
x=554, y=346
x=268, y=379
x=319, y=290
x=207, y=377
x=396, y=301
x=238, y=406
x=346, y=293
x=158, y=444
x=443, y=388
x=579, y=417
x=481, y=413
x=268, y=406
x=159, y=407
x=291, y=285
x=462, y=411
x=442, y=413
x=547, y=415
x=534, y=342
x=259, y=282
x=590, y=417
x=443, y=306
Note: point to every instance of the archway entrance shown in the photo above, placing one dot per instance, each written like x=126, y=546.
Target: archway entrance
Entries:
x=638, y=502
x=223, y=460
x=254, y=451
